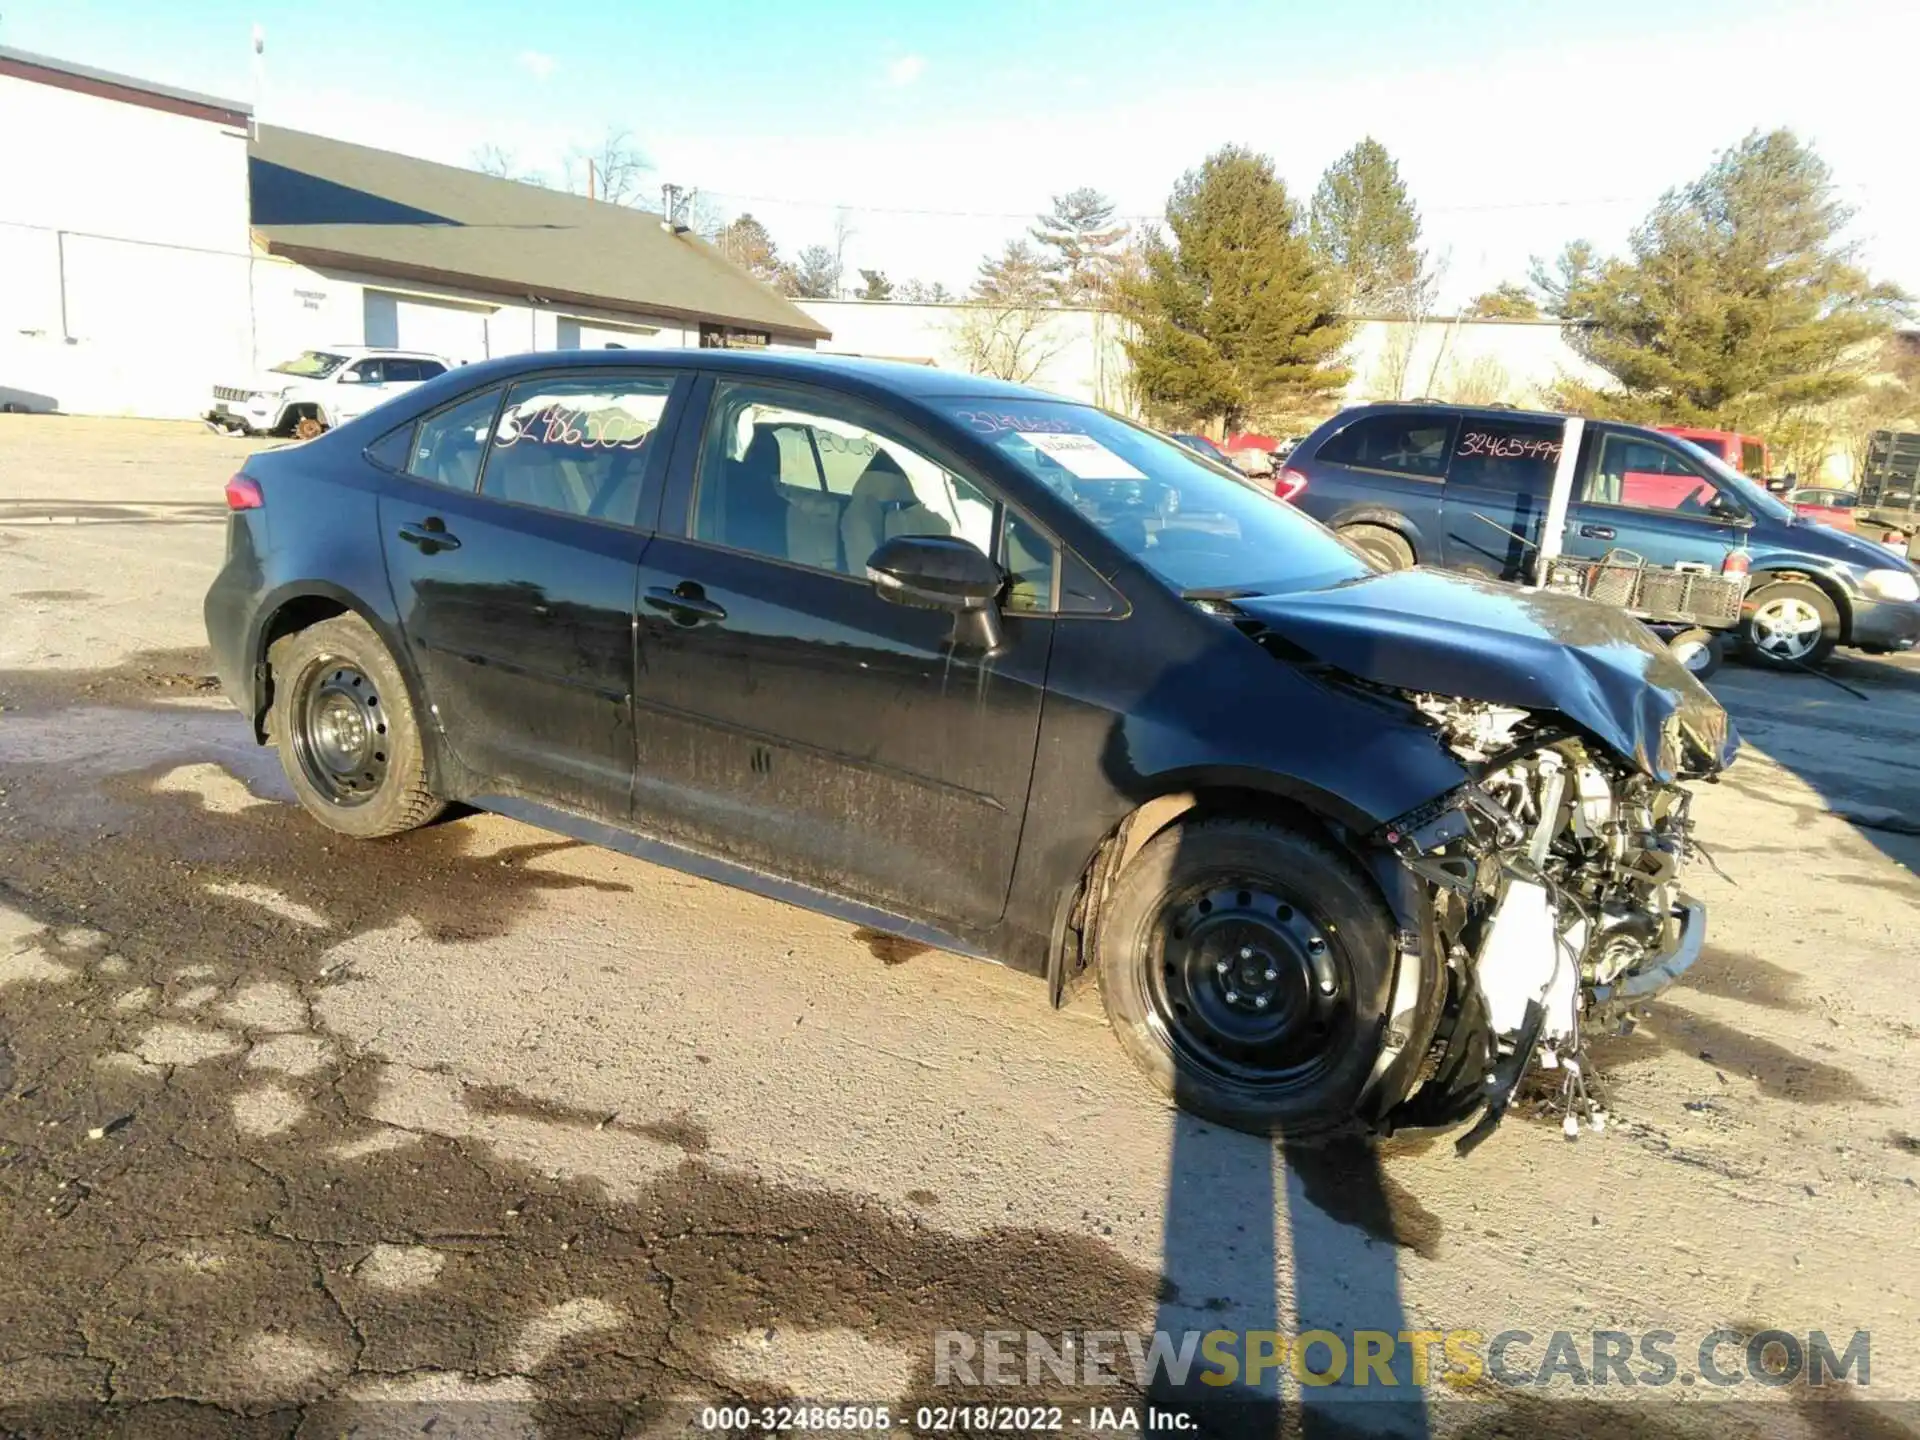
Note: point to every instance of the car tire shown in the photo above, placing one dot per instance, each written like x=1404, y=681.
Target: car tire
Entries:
x=1388, y=548
x=346, y=732
x=1789, y=625
x=1700, y=652
x=1246, y=968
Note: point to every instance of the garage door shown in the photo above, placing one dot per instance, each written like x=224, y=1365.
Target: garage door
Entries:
x=598, y=335
x=406, y=322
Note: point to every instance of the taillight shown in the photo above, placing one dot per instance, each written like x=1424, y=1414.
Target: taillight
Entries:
x=243, y=493
x=1736, y=563
x=1290, y=483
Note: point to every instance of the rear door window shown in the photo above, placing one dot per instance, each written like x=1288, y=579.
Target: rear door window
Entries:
x=1415, y=444
x=1511, y=456
x=578, y=446
x=450, y=442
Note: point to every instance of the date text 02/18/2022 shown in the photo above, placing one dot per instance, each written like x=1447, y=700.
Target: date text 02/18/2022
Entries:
x=941, y=1419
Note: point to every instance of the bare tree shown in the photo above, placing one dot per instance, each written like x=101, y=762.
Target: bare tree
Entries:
x=502, y=164
x=614, y=170
x=1008, y=340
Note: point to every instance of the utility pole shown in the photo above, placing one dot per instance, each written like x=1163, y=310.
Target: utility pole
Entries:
x=259, y=69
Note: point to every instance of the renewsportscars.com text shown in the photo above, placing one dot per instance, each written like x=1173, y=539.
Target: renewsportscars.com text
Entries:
x=1456, y=1358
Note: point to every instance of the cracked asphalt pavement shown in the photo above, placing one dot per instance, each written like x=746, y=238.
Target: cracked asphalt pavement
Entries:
x=481, y=1131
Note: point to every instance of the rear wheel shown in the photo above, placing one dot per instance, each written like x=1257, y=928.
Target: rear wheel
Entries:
x=1245, y=967
x=1790, y=625
x=346, y=731
x=1388, y=548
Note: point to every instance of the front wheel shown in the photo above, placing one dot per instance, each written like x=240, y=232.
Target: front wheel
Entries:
x=346, y=731
x=1246, y=968
x=1790, y=625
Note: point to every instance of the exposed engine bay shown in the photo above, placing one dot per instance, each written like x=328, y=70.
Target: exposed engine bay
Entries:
x=1553, y=880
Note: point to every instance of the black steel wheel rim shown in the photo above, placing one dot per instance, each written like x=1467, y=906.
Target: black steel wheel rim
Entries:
x=340, y=733
x=1248, y=987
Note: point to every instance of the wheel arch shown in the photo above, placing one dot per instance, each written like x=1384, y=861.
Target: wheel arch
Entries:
x=1248, y=795
x=1820, y=580
x=1386, y=518
x=301, y=606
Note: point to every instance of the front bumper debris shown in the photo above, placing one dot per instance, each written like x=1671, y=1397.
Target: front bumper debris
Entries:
x=1551, y=879
x=1659, y=972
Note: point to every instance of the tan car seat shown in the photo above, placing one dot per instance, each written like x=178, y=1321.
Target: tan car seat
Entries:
x=883, y=505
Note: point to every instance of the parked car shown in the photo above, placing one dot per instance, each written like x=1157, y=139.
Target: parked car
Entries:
x=318, y=389
x=1746, y=453
x=1464, y=488
x=1824, y=506
x=966, y=662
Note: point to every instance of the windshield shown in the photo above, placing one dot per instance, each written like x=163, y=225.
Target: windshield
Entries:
x=1754, y=496
x=1196, y=526
x=311, y=365
x=1204, y=446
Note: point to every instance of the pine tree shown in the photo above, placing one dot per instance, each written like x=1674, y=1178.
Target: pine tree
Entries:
x=1366, y=229
x=1506, y=301
x=1016, y=276
x=875, y=286
x=1742, y=306
x=1084, y=240
x=747, y=243
x=816, y=274
x=1234, y=316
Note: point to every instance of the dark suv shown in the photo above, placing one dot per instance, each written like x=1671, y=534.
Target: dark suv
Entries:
x=1466, y=489
x=967, y=662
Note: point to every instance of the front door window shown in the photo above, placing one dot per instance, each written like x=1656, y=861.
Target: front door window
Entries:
x=1644, y=475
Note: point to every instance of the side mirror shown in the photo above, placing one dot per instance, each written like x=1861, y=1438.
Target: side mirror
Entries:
x=942, y=572
x=1722, y=508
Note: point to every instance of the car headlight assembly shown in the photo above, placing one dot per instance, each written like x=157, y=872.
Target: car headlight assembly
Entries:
x=1892, y=585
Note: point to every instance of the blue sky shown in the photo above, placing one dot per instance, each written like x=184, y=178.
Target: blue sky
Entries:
x=1516, y=125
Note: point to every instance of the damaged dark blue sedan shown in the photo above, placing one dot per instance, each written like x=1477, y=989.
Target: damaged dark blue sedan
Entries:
x=970, y=663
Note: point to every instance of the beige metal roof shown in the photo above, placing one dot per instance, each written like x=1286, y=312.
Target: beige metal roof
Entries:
x=327, y=202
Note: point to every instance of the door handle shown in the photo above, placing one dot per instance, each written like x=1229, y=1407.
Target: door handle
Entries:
x=1597, y=532
x=686, y=602
x=430, y=535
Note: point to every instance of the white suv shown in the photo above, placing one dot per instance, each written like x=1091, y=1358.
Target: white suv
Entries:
x=319, y=388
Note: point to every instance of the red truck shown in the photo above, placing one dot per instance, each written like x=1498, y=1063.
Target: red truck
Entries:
x=1746, y=453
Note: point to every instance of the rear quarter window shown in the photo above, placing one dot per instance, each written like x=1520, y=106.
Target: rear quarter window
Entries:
x=1506, y=455
x=1400, y=444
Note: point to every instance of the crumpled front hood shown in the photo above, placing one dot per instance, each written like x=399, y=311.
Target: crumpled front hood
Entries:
x=1532, y=649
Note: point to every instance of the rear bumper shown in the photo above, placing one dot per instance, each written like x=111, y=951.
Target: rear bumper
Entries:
x=228, y=610
x=1885, y=625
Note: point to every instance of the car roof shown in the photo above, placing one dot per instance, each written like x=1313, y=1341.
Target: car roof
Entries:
x=1491, y=412
x=922, y=382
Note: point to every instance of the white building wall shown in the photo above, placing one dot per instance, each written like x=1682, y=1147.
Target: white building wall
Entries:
x=1080, y=354
x=123, y=253
x=299, y=307
x=1075, y=353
